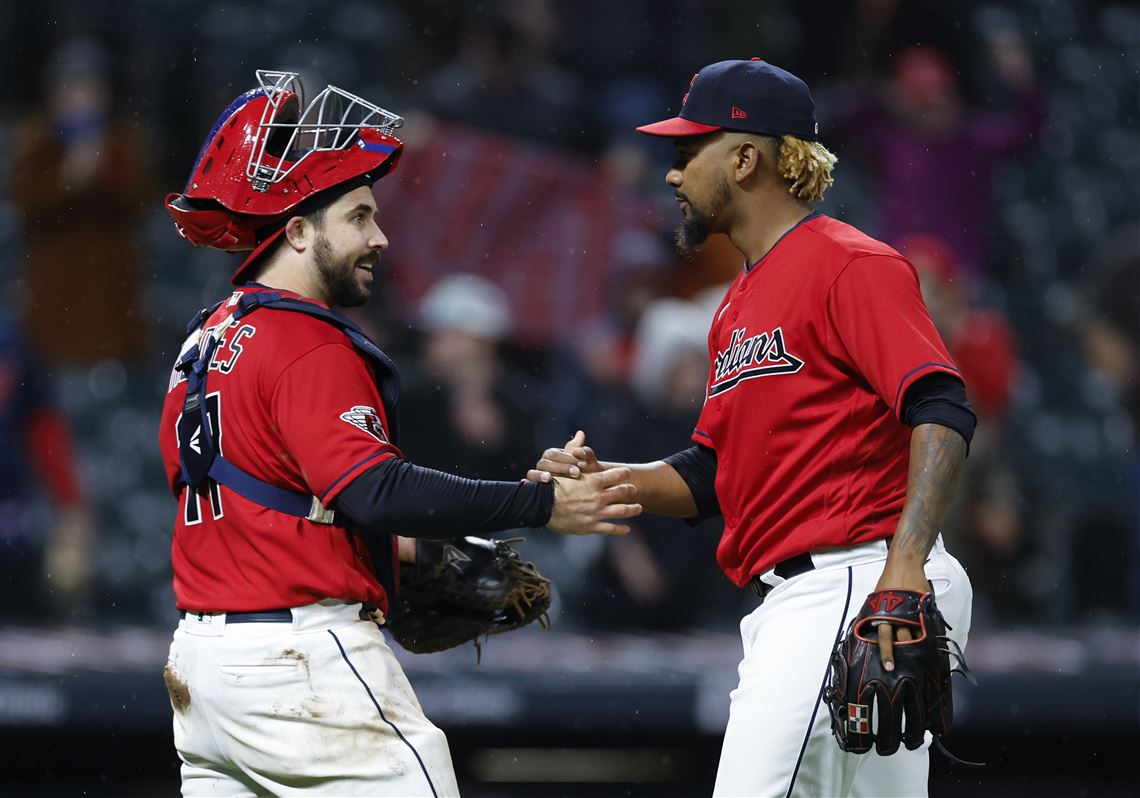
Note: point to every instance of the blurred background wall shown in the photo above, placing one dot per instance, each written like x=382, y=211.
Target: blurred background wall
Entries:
x=995, y=144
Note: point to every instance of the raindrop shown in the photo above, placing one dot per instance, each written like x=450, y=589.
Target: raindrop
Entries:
x=1119, y=147
x=1089, y=212
x=1120, y=432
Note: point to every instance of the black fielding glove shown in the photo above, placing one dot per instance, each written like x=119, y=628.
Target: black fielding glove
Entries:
x=862, y=695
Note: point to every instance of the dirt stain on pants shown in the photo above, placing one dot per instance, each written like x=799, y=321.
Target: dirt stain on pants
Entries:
x=177, y=689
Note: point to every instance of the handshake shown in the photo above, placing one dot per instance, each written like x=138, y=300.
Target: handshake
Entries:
x=588, y=496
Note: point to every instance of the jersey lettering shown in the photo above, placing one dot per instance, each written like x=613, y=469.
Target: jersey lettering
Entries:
x=234, y=350
x=745, y=358
x=192, y=510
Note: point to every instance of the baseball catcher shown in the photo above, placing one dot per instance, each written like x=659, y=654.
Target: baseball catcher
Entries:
x=461, y=590
x=868, y=703
x=280, y=440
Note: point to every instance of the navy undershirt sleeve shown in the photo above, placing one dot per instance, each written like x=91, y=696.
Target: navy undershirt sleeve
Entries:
x=697, y=466
x=399, y=496
x=940, y=398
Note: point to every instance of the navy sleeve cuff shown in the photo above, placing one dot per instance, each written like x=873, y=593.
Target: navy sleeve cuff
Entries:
x=940, y=398
x=697, y=466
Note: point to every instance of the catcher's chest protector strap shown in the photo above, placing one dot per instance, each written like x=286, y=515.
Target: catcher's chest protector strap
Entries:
x=197, y=448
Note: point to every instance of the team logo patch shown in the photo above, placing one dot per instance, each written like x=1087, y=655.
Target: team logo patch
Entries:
x=859, y=718
x=749, y=356
x=367, y=419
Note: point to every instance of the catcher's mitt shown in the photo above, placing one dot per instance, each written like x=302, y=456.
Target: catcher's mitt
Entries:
x=465, y=589
x=868, y=703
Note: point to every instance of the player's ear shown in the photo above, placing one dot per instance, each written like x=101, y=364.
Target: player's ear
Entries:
x=746, y=160
x=298, y=233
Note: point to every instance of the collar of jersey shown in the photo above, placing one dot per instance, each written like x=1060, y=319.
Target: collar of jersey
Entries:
x=748, y=267
x=284, y=292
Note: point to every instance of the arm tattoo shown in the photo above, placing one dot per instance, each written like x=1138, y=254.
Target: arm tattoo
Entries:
x=936, y=457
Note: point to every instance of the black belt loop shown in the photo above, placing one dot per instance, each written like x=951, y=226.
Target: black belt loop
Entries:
x=261, y=616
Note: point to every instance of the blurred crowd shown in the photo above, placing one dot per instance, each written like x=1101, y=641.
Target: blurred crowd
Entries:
x=532, y=289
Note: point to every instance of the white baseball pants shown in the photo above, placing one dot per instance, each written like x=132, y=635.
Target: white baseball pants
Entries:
x=778, y=743
x=319, y=706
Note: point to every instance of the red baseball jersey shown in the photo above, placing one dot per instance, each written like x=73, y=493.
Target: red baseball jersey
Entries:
x=812, y=349
x=297, y=407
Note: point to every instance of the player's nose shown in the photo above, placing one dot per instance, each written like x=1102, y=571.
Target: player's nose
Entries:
x=377, y=240
x=673, y=177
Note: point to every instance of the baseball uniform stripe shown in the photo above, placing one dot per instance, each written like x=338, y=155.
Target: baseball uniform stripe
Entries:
x=354, y=467
x=383, y=717
x=822, y=686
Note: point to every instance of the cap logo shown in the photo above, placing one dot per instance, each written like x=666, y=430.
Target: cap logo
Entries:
x=738, y=114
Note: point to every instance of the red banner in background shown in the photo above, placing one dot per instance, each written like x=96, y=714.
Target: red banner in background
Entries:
x=545, y=225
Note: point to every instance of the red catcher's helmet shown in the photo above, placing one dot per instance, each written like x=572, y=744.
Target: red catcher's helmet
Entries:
x=269, y=152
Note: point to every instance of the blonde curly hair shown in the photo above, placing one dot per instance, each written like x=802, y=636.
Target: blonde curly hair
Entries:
x=808, y=165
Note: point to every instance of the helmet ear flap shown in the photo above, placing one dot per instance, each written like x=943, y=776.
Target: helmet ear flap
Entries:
x=209, y=225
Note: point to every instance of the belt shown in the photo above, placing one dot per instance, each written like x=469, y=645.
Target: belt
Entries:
x=800, y=564
x=793, y=566
x=261, y=616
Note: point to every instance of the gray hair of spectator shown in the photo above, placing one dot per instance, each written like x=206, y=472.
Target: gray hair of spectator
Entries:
x=669, y=329
x=466, y=303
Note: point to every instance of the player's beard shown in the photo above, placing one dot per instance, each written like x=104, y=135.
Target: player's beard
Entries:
x=341, y=287
x=695, y=228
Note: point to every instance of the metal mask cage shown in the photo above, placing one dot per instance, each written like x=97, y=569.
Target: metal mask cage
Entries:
x=331, y=121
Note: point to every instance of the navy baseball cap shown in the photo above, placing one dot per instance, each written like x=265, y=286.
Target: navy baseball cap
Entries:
x=752, y=96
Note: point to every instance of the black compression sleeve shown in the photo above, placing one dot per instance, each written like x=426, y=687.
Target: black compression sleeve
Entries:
x=399, y=496
x=697, y=466
x=939, y=398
